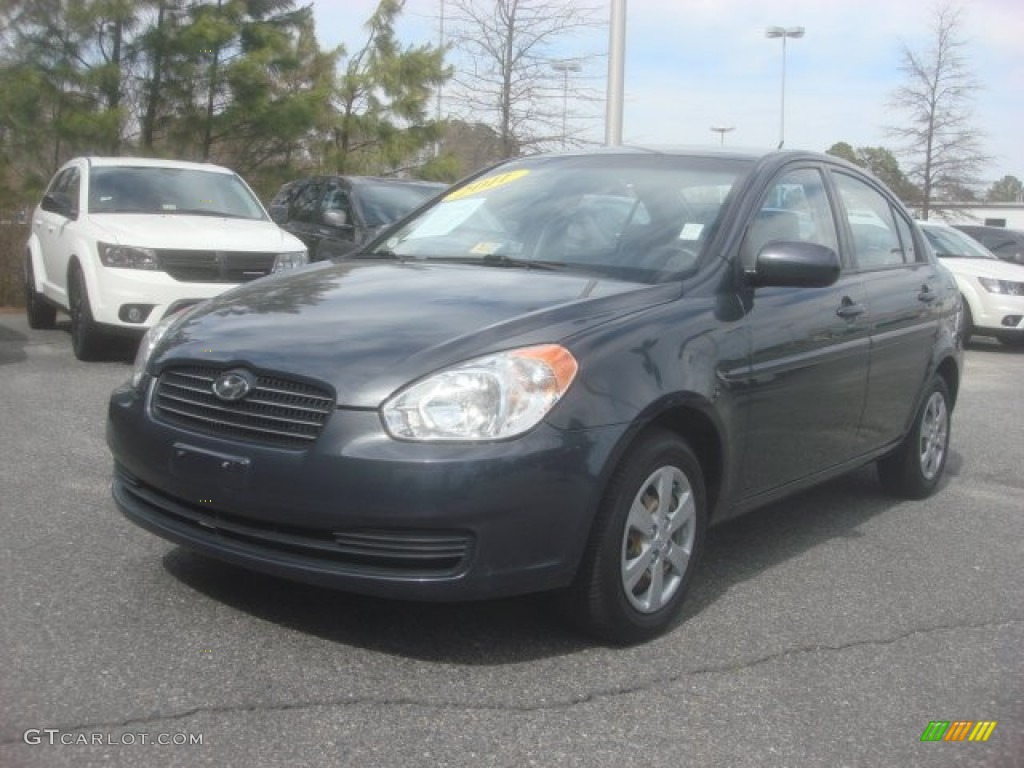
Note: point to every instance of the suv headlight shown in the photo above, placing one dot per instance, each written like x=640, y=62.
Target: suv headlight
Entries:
x=148, y=344
x=127, y=256
x=1006, y=287
x=290, y=260
x=490, y=398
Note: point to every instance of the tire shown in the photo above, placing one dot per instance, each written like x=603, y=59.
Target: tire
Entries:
x=914, y=469
x=968, y=322
x=644, y=546
x=1015, y=342
x=87, y=339
x=41, y=314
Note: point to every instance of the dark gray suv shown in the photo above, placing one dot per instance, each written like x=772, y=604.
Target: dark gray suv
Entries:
x=333, y=215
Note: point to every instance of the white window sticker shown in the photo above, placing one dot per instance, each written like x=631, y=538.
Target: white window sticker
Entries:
x=445, y=217
x=691, y=231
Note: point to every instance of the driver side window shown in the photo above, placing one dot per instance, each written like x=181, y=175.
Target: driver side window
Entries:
x=794, y=209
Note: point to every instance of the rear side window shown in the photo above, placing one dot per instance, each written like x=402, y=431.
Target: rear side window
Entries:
x=881, y=238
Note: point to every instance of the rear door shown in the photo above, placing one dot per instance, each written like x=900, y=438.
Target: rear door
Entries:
x=903, y=291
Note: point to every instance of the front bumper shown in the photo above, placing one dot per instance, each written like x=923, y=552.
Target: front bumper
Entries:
x=999, y=313
x=362, y=512
x=158, y=290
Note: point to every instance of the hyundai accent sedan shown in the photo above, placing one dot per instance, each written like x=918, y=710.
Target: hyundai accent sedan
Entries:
x=553, y=378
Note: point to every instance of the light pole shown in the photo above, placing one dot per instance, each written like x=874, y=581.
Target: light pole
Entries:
x=616, y=74
x=784, y=33
x=721, y=130
x=565, y=67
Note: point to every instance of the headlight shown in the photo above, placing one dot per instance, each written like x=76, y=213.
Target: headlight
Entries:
x=1007, y=287
x=148, y=344
x=127, y=257
x=290, y=260
x=490, y=398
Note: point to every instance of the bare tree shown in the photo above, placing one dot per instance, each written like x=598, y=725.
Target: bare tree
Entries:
x=504, y=76
x=941, y=146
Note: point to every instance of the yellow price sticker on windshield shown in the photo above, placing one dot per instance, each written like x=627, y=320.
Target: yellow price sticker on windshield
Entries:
x=486, y=184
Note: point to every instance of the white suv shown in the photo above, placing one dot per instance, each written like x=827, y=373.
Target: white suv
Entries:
x=119, y=243
x=992, y=289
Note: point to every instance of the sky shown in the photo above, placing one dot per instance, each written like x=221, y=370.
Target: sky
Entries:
x=696, y=64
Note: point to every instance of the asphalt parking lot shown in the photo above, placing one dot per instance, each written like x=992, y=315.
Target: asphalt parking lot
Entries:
x=828, y=630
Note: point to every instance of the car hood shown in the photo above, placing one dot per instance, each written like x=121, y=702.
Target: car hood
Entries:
x=996, y=269
x=203, y=233
x=369, y=328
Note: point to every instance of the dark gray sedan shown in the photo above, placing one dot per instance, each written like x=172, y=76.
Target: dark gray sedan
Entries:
x=555, y=377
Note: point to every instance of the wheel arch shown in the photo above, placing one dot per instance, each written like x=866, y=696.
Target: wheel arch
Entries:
x=692, y=421
x=949, y=372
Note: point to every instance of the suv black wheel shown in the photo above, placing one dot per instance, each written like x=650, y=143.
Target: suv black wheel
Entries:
x=86, y=337
x=645, y=544
x=42, y=315
x=968, y=321
x=914, y=469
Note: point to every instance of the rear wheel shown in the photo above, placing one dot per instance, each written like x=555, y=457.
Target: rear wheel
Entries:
x=42, y=315
x=86, y=337
x=915, y=468
x=645, y=544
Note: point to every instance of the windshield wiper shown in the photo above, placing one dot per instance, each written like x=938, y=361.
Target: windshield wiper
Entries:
x=500, y=260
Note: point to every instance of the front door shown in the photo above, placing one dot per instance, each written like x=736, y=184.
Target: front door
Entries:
x=809, y=348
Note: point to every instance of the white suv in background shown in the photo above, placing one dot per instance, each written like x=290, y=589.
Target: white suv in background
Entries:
x=119, y=243
x=992, y=289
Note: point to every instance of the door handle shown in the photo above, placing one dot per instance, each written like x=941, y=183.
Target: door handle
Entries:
x=926, y=295
x=849, y=309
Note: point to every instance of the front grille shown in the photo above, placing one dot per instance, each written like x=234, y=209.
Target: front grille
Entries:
x=215, y=266
x=278, y=410
x=409, y=553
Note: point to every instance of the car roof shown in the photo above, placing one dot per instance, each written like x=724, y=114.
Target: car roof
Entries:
x=151, y=162
x=989, y=228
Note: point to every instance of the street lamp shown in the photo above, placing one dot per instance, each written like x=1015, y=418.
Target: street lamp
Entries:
x=784, y=33
x=721, y=130
x=565, y=67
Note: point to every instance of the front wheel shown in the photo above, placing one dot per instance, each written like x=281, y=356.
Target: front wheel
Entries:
x=87, y=339
x=914, y=469
x=645, y=544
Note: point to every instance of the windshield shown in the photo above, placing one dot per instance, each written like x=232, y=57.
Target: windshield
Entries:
x=384, y=203
x=634, y=217
x=152, y=189
x=950, y=243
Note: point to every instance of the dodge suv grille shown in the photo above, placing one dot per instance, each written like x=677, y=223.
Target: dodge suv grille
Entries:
x=277, y=410
x=215, y=266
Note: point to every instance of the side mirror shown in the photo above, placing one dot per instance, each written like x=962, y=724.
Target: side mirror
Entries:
x=795, y=264
x=54, y=205
x=335, y=218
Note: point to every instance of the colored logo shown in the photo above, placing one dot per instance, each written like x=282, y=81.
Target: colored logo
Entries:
x=232, y=386
x=959, y=730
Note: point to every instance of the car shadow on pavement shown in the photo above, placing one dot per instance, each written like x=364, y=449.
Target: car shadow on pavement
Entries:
x=12, y=345
x=117, y=348
x=519, y=629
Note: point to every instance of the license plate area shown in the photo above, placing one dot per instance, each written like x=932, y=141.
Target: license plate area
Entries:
x=210, y=469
